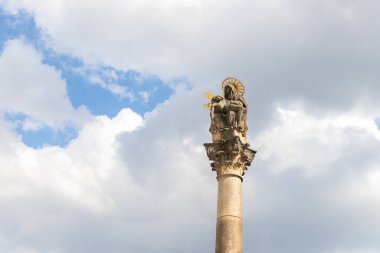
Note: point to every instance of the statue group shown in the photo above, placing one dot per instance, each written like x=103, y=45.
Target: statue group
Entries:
x=229, y=110
x=229, y=149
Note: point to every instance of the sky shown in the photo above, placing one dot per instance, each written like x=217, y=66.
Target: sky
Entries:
x=102, y=124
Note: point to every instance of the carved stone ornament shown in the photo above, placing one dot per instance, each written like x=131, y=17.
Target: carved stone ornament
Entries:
x=229, y=149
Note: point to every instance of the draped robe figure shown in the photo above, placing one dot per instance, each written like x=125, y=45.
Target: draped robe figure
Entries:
x=228, y=111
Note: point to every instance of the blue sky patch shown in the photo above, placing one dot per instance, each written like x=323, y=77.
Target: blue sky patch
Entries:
x=105, y=90
x=48, y=137
x=42, y=136
x=377, y=120
x=21, y=25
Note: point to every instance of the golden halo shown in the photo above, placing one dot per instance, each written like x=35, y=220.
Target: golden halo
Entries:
x=235, y=84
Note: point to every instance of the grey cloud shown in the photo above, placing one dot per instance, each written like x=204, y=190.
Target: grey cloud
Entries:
x=334, y=211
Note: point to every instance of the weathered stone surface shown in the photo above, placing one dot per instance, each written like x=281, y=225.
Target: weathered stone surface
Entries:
x=230, y=155
x=229, y=235
x=229, y=198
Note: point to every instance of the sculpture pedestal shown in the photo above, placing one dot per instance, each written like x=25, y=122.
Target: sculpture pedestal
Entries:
x=229, y=230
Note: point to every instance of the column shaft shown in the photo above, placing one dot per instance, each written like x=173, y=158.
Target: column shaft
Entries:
x=229, y=230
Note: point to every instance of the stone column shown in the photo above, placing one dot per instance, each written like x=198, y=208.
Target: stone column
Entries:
x=229, y=230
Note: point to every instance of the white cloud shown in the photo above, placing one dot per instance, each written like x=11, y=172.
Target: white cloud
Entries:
x=74, y=173
x=323, y=139
x=37, y=90
x=167, y=37
x=313, y=186
x=90, y=182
